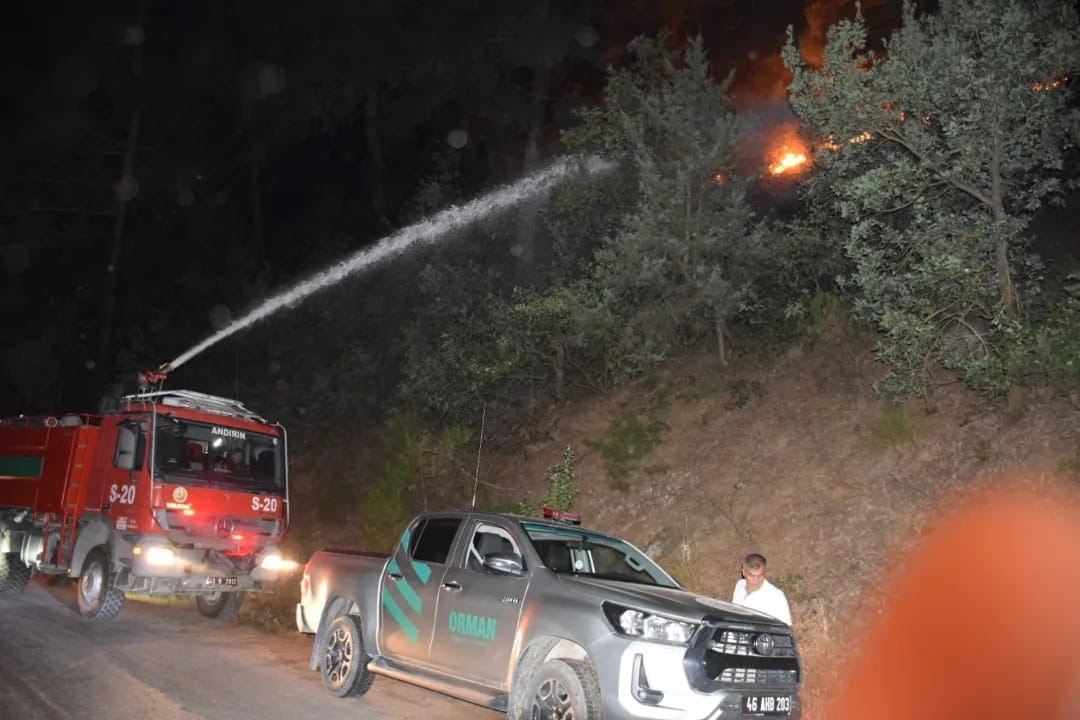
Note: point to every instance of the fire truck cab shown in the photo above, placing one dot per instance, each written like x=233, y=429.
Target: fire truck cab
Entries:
x=173, y=493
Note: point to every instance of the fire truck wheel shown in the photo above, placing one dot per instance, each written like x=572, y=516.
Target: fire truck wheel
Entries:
x=14, y=574
x=343, y=664
x=97, y=595
x=219, y=605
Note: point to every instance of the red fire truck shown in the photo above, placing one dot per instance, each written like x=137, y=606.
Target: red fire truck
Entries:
x=170, y=493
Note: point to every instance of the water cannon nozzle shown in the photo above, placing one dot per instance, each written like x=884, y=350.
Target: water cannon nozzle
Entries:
x=149, y=378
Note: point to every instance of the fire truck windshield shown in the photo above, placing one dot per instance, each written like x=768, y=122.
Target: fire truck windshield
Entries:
x=199, y=453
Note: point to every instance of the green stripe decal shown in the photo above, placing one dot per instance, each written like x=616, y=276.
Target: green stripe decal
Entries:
x=28, y=467
x=422, y=571
x=395, y=612
x=410, y=595
x=535, y=527
x=392, y=567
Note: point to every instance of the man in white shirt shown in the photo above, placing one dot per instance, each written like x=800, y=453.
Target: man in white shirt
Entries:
x=757, y=593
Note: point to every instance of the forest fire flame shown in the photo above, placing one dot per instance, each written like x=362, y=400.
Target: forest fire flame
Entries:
x=790, y=154
x=1053, y=84
x=791, y=160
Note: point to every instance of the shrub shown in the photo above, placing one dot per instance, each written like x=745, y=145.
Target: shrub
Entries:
x=626, y=441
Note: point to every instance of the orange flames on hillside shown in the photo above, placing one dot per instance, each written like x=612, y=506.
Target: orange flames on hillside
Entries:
x=790, y=154
x=790, y=161
x=1053, y=84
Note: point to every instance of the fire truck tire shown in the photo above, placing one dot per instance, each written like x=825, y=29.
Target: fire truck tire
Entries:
x=96, y=593
x=219, y=605
x=14, y=574
x=343, y=662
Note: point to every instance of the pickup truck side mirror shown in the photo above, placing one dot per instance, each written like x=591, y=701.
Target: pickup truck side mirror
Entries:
x=504, y=563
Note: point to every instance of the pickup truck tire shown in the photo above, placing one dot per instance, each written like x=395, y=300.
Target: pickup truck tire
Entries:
x=342, y=660
x=219, y=605
x=14, y=574
x=563, y=690
x=96, y=593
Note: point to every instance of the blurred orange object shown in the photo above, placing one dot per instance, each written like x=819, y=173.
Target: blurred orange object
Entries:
x=982, y=620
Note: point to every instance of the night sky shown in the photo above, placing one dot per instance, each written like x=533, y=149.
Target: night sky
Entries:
x=211, y=153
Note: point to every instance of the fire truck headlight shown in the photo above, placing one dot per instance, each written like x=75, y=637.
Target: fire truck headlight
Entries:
x=158, y=555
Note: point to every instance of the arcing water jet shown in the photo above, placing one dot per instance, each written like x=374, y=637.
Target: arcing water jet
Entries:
x=429, y=230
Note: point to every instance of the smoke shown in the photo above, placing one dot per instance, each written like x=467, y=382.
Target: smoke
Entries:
x=819, y=15
x=763, y=125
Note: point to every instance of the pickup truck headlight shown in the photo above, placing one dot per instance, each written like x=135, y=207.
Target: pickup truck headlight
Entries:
x=637, y=623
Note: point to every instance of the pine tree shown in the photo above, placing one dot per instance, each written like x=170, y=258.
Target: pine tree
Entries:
x=685, y=260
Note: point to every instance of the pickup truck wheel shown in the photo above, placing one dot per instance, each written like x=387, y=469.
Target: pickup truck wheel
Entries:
x=218, y=605
x=14, y=574
x=343, y=663
x=563, y=690
x=97, y=596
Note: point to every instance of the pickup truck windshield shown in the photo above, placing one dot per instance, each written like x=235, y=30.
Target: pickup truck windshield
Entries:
x=196, y=453
x=580, y=552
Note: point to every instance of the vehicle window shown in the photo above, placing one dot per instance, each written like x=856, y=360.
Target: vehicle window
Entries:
x=433, y=541
x=489, y=539
x=609, y=562
x=196, y=453
x=130, y=447
x=580, y=552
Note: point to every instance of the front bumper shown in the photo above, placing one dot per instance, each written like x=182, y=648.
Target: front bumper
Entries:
x=648, y=680
x=192, y=573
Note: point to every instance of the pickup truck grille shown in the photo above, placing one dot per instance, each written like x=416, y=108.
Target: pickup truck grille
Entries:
x=751, y=657
x=751, y=676
x=735, y=642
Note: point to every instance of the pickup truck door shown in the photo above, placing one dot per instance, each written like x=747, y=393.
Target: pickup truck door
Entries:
x=478, y=609
x=410, y=588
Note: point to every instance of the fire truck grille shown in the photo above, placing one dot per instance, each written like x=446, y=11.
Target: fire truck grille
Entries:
x=222, y=527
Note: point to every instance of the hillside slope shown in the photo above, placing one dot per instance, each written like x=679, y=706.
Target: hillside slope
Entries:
x=829, y=482
x=794, y=458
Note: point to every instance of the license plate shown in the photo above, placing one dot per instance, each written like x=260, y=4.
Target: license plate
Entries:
x=221, y=581
x=766, y=705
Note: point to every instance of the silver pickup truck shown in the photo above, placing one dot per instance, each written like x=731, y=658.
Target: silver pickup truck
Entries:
x=541, y=619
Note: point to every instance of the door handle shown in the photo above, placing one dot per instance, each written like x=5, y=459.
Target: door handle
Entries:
x=452, y=586
x=394, y=575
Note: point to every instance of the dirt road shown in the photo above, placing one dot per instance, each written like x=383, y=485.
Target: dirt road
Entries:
x=167, y=662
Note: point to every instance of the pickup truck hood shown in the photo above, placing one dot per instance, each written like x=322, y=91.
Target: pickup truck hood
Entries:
x=670, y=602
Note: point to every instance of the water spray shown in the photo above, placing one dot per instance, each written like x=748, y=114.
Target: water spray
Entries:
x=429, y=230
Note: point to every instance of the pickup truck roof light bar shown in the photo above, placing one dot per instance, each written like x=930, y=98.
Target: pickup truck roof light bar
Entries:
x=562, y=516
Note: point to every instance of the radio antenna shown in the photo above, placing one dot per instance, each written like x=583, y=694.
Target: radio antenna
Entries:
x=479, y=447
